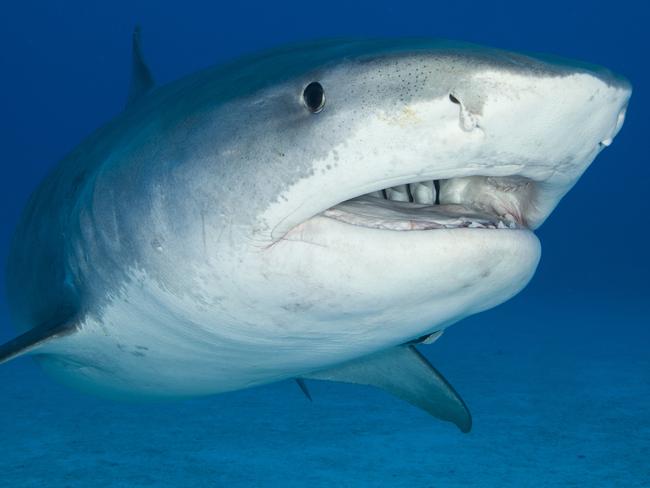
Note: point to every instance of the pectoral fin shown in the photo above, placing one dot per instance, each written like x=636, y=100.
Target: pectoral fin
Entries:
x=303, y=388
x=34, y=339
x=405, y=373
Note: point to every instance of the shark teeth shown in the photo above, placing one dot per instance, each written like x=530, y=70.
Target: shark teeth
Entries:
x=399, y=193
x=423, y=192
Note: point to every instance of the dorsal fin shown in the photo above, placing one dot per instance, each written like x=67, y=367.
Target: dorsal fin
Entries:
x=405, y=373
x=34, y=338
x=141, y=78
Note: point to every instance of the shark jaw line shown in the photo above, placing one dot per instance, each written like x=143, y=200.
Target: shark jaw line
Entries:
x=473, y=202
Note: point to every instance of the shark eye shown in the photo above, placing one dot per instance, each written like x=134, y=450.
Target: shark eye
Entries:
x=314, y=97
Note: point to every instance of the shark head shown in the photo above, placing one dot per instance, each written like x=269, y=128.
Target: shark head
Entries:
x=297, y=209
x=361, y=194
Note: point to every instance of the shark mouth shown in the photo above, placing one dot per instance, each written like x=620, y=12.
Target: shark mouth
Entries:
x=477, y=202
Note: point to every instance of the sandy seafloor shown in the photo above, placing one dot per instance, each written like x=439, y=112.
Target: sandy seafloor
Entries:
x=559, y=390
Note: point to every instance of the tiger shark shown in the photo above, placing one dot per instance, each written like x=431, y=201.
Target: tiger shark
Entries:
x=311, y=212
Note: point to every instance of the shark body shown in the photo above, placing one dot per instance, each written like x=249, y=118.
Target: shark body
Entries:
x=314, y=211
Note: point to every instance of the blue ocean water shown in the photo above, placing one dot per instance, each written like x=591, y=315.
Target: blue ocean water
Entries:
x=558, y=379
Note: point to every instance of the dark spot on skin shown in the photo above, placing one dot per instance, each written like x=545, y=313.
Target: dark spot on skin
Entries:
x=486, y=273
x=138, y=354
x=297, y=307
x=77, y=182
x=142, y=348
x=157, y=244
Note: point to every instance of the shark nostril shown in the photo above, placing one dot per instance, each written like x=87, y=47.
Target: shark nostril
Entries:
x=468, y=121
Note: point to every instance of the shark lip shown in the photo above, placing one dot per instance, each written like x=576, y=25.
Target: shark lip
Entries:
x=495, y=203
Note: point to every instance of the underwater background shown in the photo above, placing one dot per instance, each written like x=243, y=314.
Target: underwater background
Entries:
x=557, y=379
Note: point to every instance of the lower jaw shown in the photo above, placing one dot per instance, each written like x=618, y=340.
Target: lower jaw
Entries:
x=419, y=281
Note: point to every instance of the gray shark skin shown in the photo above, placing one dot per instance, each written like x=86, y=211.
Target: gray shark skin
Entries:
x=312, y=211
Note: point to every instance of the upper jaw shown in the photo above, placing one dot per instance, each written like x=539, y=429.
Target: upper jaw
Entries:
x=517, y=193
x=490, y=196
